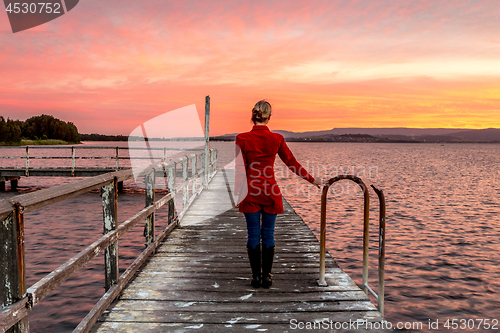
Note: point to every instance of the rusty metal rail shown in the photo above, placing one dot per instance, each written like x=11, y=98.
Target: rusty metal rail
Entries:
x=17, y=300
x=366, y=226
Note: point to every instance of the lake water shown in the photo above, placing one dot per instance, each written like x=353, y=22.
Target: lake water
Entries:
x=443, y=227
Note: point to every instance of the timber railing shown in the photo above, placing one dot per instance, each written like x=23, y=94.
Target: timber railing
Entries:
x=366, y=234
x=17, y=300
x=115, y=154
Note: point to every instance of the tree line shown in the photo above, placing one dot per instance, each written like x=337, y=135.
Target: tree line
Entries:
x=42, y=127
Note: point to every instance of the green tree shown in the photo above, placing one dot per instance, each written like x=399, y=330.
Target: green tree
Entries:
x=50, y=127
x=39, y=127
x=3, y=130
x=9, y=130
x=14, y=131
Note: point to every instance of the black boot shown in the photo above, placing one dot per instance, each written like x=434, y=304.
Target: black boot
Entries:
x=267, y=266
x=254, y=257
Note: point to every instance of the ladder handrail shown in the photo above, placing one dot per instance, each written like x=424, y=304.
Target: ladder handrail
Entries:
x=366, y=225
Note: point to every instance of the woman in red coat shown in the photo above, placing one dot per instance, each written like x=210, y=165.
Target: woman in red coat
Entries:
x=262, y=197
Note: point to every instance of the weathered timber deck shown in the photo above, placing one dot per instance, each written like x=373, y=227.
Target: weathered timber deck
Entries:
x=199, y=279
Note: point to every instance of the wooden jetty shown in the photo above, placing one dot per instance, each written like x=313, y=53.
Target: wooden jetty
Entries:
x=199, y=280
x=76, y=161
x=194, y=275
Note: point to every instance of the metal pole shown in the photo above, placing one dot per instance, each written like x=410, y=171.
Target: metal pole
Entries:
x=366, y=235
x=207, y=123
x=358, y=181
x=322, y=253
x=381, y=251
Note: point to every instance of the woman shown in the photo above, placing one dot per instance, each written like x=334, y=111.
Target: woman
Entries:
x=258, y=149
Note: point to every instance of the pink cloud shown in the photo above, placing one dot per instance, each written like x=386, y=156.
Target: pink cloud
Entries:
x=124, y=62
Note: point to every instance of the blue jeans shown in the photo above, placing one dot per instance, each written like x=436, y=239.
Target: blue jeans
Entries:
x=255, y=230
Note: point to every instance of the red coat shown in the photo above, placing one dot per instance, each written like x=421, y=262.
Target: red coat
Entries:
x=259, y=148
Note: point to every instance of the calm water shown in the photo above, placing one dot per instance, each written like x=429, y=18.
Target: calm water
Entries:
x=443, y=223
x=443, y=227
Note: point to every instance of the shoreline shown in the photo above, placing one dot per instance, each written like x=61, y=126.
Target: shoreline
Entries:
x=48, y=142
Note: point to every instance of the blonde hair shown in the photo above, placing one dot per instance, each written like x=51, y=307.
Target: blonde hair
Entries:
x=261, y=111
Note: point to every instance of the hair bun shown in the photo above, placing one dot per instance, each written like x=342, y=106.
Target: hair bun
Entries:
x=261, y=111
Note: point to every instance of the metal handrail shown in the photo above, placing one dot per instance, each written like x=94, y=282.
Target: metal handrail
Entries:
x=366, y=225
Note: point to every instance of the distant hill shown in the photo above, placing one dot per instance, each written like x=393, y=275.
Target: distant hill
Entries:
x=489, y=135
x=376, y=131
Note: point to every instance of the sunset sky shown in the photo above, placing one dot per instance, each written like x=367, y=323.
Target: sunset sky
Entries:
x=108, y=66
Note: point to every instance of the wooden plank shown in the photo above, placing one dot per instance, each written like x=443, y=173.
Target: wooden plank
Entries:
x=208, y=250
x=161, y=265
x=245, y=307
x=115, y=327
x=14, y=313
x=42, y=198
x=159, y=316
x=236, y=258
x=239, y=284
x=91, y=318
x=249, y=296
x=208, y=270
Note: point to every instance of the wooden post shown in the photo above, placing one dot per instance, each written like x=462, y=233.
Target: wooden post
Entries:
x=109, y=214
x=184, y=180
x=207, y=126
x=117, y=158
x=149, y=228
x=171, y=189
x=120, y=187
x=13, y=184
x=72, y=161
x=214, y=164
x=12, y=265
x=213, y=161
x=27, y=161
x=193, y=172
